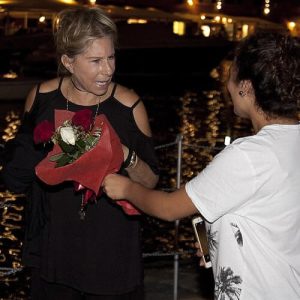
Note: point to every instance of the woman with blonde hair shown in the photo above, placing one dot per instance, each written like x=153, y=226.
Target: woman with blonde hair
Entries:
x=100, y=256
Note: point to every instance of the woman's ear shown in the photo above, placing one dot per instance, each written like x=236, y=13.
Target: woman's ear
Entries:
x=246, y=88
x=67, y=62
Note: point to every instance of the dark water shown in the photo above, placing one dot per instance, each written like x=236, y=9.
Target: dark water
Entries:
x=194, y=105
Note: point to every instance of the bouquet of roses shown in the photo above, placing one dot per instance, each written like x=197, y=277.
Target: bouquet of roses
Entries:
x=75, y=137
x=85, y=151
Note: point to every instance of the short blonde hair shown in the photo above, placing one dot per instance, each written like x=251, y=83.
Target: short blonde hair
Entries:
x=77, y=28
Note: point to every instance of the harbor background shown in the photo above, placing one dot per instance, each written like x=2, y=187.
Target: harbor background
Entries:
x=197, y=109
x=182, y=83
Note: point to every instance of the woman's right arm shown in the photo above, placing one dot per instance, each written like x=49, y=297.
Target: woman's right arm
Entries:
x=19, y=156
x=30, y=99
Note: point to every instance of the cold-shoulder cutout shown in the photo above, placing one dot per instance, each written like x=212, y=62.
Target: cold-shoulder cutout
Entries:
x=136, y=103
x=125, y=95
x=50, y=85
x=42, y=87
x=130, y=99
x=141, y=118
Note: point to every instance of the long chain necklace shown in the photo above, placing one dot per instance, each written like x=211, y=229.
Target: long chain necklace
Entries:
x=83, y=207
x=97, y=108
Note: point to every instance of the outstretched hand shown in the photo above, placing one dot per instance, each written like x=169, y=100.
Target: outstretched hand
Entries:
x=116, y=186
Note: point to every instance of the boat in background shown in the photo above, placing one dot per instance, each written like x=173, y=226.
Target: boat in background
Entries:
x=150, y=46
x=172, y=49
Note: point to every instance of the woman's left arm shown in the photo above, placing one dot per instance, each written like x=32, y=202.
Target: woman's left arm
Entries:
x=138, y=170
x=141, y=172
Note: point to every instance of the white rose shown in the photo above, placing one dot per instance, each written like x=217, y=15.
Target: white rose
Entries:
x=68, y=135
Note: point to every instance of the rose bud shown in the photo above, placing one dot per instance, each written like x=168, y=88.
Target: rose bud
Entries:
x=83, y=118
x=43, y=132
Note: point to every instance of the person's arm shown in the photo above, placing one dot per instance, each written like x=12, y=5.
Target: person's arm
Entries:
x=140, y=171
x=163, y=205
x=30, y=99
x=19, y=156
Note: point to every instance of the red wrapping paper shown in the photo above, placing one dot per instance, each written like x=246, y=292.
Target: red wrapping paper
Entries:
x=89, y=170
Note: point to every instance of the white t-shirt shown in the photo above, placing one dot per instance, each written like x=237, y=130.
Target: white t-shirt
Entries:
x=250, y=196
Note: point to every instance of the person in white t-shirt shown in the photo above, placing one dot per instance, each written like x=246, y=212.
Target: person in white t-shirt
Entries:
x=250, y=193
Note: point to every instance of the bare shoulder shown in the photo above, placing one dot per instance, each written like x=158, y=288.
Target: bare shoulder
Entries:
x=45, y=87
x=49, y=85
x=128, y=98
x=125, y=95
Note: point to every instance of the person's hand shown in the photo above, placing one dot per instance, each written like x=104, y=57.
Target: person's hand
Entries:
x=199, y=254
x=116, y=186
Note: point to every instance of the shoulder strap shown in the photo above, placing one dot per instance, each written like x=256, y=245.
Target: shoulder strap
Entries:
x=113, y=90
x=39, y=86
x=38, y=89
x=60, y=82
x=136, y=103
x=35, y=101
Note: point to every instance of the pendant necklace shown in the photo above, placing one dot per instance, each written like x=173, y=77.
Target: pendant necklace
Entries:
x=97, y=109
x=83, y=207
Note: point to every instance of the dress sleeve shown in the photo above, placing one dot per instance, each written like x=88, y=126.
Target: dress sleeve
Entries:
x=144, y=146
x=19, y=158
x=146, y=151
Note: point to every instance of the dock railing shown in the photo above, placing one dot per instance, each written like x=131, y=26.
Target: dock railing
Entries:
x=179, y=144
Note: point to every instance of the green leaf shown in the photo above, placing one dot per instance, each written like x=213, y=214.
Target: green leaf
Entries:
x=89, y=141
x=64, y=160
x=80, y=144
x=56, y=157
x=76, y=154
x=67, y=148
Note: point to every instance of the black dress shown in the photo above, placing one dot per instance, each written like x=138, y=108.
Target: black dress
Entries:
x=100, y=255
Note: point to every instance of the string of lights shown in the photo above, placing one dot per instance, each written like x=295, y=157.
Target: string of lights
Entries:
x=267, y=6
x=219, y=5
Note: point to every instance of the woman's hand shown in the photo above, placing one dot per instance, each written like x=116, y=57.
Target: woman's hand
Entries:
x=116, y=186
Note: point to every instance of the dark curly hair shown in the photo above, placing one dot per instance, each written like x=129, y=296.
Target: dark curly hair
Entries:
x=271, y=62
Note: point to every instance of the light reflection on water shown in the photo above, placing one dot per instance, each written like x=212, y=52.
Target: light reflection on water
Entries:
x=14, y=285
x=204, y=118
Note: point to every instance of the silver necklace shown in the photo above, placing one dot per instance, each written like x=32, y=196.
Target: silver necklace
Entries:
x=83, y=207
x=97, y=109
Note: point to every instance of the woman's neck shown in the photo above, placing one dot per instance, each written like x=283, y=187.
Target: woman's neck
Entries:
x=76, y=86
x=81, y=97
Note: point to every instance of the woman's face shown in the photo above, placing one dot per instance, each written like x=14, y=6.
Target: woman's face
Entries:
x=93, y=69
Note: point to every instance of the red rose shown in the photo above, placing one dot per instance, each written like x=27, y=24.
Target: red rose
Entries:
x=43, y=132
x=83, y=118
